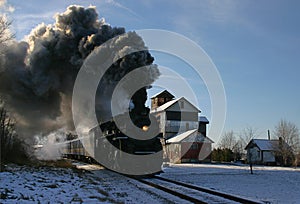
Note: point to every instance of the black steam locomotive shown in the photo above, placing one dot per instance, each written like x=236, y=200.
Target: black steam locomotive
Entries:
x=109, y=146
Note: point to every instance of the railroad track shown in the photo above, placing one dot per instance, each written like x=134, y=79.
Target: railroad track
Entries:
x=191, y=193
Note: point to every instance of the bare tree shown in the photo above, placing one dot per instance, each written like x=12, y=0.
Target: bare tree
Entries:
x=12, y=148
x=248, y=134
x=5, y=34
x=237, y=144
x=229, y=147
x=289, y=140
x=228, y=141
x=245, y=137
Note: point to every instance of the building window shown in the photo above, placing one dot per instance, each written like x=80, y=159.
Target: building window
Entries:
x=181, y=104
x=187, y=126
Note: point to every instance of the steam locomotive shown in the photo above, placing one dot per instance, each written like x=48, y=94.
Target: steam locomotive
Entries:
x=108, y=145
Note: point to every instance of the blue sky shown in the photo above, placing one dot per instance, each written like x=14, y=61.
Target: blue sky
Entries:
x=254, y=44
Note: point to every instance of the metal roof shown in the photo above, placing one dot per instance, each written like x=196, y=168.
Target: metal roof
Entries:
x=165, y=106
x=189, y=136
x=203, y=119
x=265, y=144
x=181, y=136
x=164, y=91
x=170, y=103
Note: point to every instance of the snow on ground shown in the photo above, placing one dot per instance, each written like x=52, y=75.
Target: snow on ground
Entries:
x=88, y=184
x=268, y=184
x=92, y=184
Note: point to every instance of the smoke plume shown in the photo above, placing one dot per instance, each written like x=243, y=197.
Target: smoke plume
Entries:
x=37, y=75
x=51, y=146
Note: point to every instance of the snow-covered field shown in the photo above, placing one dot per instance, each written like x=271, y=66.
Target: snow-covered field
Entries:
x=92, y=184
x=268, y=184
x=88, y=184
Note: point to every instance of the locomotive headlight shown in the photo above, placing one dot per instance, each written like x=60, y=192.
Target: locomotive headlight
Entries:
x=145, y=128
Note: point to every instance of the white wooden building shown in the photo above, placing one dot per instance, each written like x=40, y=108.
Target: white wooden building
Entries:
x=184, y=132
x=177, y=115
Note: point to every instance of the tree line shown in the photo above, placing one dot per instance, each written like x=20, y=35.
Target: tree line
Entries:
x=12, y=147
x=231, y=146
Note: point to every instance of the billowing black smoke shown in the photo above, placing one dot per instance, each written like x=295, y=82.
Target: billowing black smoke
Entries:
x=37, y=76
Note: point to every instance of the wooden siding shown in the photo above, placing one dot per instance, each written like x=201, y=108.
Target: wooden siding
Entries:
x=189, y=152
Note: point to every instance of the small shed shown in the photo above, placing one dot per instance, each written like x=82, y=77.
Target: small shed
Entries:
x=264, y=151
x=189, y=147
x=261, y=151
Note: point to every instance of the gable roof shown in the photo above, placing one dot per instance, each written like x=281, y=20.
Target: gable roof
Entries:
x=164, y=92
x=203, y=119
x=189, y=136
x=170, y=103
x=165, y=106
x=181, y=136
x=265, y=144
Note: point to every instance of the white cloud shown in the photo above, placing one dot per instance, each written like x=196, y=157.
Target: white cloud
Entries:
x=223, y=11
x=2, y=2
x=117, y=4
x=48, y=15
x=192, y=18
x=24, y=23
x=196, y=12
x=5, y=7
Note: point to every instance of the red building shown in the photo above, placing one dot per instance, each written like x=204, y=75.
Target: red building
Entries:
x=190, y=146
